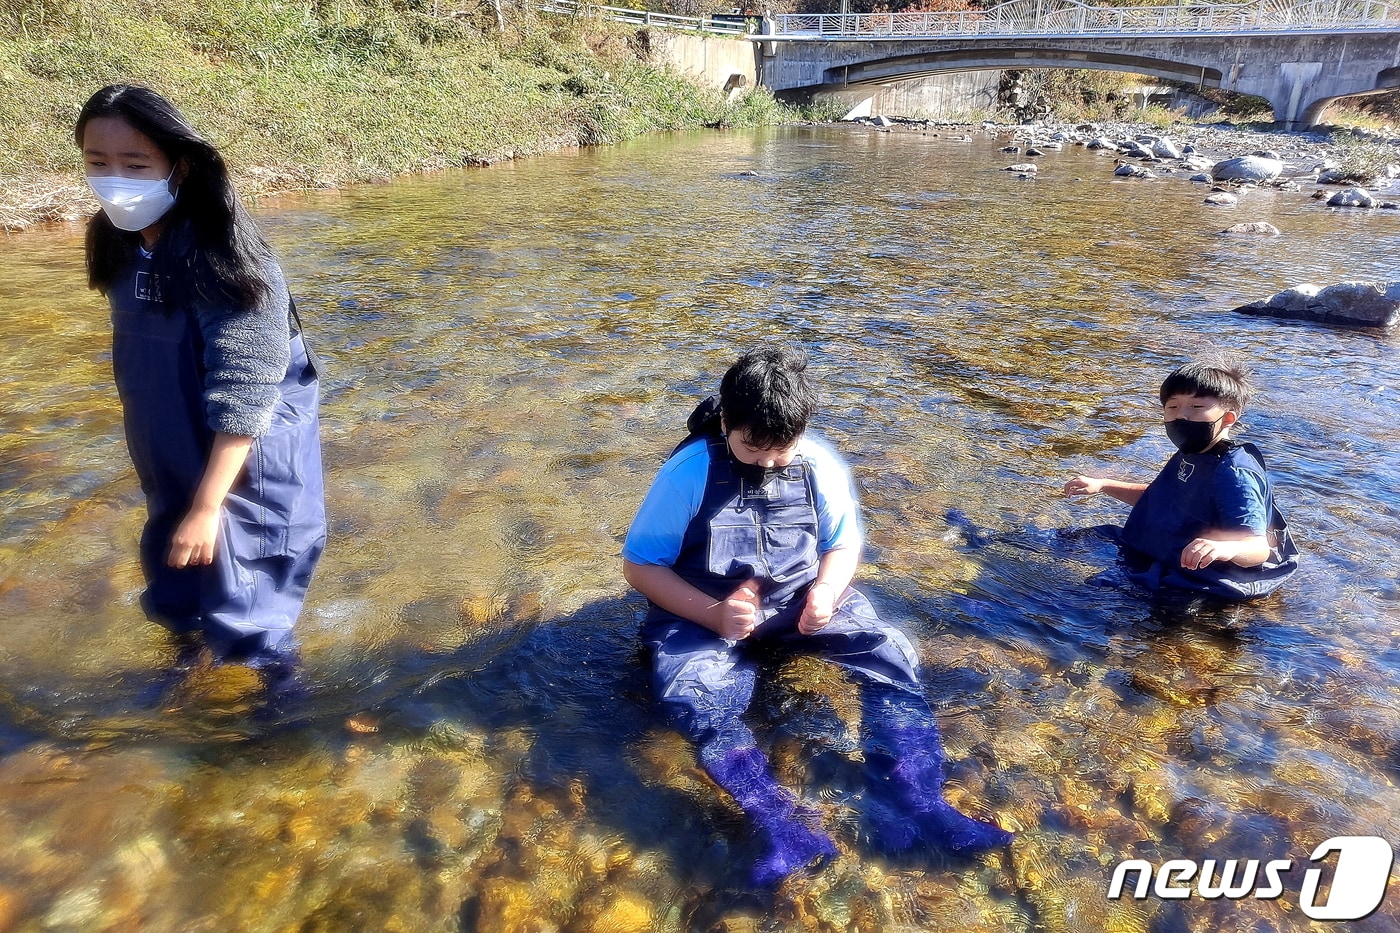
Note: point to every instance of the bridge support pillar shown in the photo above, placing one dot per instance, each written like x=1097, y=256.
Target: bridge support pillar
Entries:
x=1294, y=92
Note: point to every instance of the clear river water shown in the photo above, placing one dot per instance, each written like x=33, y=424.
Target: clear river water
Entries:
x=511, y=352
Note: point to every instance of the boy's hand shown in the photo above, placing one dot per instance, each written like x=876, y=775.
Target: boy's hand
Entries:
x=1203, y=552
x=821, y=603
x=739, y=614
x=1084, y=486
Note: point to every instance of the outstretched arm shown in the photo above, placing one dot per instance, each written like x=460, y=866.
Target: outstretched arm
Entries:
x=1090, y=485
x=735, y=617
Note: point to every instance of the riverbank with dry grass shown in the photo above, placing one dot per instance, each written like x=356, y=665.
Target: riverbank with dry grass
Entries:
x=333, y=93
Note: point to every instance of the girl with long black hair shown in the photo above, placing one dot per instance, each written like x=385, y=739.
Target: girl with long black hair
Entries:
x=219, y=397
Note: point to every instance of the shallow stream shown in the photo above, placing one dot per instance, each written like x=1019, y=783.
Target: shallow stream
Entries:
x=511, y=352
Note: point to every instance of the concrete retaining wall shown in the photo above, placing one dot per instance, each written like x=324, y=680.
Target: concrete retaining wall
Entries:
x=728, y=64
x=936, y=97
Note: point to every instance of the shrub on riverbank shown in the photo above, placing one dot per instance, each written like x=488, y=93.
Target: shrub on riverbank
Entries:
x=333, y=90
x=1363, y=159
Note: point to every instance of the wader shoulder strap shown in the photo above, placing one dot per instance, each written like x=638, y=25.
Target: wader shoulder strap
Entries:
x=1256, y=453
x=703, y=422
x=316, y=365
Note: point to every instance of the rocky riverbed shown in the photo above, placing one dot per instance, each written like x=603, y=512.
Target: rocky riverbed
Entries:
x=1186, y=149
x=1344, y=168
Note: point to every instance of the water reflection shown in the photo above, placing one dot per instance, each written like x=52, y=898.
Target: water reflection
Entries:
x=510, y=353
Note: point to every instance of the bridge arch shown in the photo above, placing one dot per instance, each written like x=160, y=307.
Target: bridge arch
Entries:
x=902, y=67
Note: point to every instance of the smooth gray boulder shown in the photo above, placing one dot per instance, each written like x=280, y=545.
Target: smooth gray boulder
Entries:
x=1222, y=199
x=1352, y=197
x=1247, y=168
x=1029, y=168
x=1352, y=304
x=1166, y=149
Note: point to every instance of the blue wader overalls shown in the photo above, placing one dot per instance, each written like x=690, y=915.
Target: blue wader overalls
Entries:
x=705, y=683
x=1179, y=506
x=273, y=523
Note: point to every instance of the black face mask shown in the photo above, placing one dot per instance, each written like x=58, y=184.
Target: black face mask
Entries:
x=753, y=473
x=1191, y=437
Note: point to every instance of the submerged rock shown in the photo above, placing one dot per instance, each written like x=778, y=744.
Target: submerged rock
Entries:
x=1355, y=304
x=1132, y=171
x=1257, y=227
x=1222, y=199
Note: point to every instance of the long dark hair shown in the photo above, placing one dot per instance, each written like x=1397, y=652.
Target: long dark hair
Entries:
x=211, y=250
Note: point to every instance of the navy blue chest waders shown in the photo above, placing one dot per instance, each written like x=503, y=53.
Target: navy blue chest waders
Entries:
x=272, y=525
x=1178, y=506
x=705, y=683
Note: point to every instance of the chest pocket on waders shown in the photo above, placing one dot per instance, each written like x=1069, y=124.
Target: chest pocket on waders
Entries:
x=768, y=532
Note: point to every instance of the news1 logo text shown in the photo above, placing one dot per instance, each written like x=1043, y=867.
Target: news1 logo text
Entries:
x=1358, y=879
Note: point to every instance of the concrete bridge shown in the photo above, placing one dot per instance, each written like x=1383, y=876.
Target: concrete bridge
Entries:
x=1298, y=56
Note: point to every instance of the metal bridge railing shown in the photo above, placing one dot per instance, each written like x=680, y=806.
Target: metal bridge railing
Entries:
x=724, y=24
x=1072, y=18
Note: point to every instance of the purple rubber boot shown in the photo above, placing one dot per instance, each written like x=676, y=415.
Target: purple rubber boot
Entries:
x=906, y=761
x=790, y=840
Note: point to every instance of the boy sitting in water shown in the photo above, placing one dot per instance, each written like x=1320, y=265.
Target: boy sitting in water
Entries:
x=1208, y=522
x=746, y=543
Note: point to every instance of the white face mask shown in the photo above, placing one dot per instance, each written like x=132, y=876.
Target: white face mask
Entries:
x=133, y=203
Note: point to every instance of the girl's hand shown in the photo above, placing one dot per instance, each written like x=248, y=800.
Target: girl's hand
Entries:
x=194, y=542
x=821, y=603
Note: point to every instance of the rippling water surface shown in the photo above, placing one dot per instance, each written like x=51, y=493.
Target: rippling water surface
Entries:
x=511, y=352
